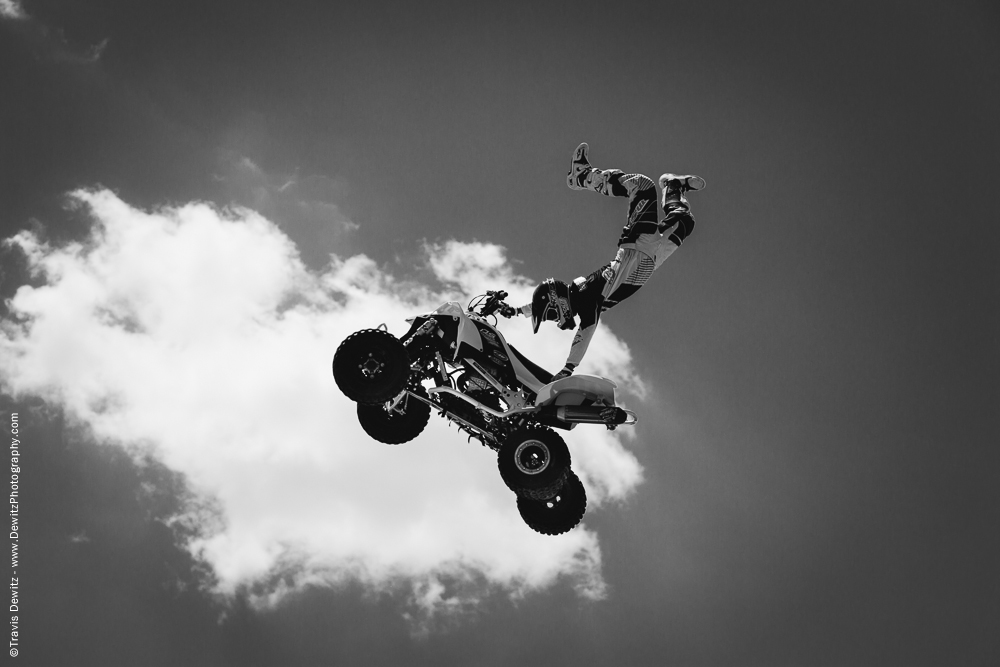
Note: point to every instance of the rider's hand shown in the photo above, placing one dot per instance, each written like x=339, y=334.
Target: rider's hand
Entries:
x=507, y=311
x=564, y=373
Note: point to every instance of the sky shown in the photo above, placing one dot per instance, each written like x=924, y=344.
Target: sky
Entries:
x=199, y=201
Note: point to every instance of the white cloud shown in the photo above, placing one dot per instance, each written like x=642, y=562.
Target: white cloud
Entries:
x=11, y=9
x=95, y=52
x=201, y=333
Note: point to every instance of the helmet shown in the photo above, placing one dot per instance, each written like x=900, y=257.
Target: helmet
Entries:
x=551, y=302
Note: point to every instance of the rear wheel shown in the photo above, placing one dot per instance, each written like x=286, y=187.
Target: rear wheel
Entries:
x=558, y=514
x=533, y=462
x=394, y=427
x=371, y=366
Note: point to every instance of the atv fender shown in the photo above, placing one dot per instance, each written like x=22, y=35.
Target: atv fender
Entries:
x=577, y=390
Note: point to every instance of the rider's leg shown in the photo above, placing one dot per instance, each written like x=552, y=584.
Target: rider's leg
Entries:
x=676, y=209
x=640, y=190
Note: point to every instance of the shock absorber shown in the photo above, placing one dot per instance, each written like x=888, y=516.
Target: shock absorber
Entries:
x=442, y=371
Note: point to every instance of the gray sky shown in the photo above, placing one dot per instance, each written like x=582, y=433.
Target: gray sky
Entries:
x=819, y=445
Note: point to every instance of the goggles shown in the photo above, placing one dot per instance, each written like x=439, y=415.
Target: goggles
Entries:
x=557, y=308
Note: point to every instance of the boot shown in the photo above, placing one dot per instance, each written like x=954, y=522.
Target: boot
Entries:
x=582, y=176
x=675, y=186
x=578, y=168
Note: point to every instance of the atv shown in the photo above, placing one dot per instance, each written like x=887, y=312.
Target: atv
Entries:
x=456, y=362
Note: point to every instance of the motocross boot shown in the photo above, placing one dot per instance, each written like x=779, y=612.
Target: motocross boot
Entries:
x=582, y=176
x=675, y=186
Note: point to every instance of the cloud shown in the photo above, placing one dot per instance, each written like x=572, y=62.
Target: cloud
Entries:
x=11, y=9
x=51, y=43
x=94, y=52
x=200, y=333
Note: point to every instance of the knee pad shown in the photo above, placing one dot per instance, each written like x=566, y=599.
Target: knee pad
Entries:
x=685, y=225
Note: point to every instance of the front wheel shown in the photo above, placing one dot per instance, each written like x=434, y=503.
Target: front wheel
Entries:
x=558, y=514
x=533, y=462
x=394, y=427
x=371, y=366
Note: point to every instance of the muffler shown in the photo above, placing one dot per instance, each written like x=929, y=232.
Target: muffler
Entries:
x=584, y=414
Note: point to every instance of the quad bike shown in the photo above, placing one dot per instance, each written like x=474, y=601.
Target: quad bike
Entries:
x=454, y=361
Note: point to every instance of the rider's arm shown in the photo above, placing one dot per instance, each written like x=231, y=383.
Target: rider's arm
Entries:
x=581, y=341
x=525, y=310
x=590, y=314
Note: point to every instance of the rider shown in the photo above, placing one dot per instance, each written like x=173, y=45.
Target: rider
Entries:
x=644, y=245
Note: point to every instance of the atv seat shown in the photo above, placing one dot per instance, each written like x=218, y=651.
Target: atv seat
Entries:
x=541, y=376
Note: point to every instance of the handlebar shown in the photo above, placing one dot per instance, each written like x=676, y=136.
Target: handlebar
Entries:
x=492, y=304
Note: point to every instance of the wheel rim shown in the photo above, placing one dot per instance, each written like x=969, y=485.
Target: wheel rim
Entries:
x=532, y=457
x=371, y=367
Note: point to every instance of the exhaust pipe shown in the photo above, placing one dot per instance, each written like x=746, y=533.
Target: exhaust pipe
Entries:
x=571, y=414
x=587, y=414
